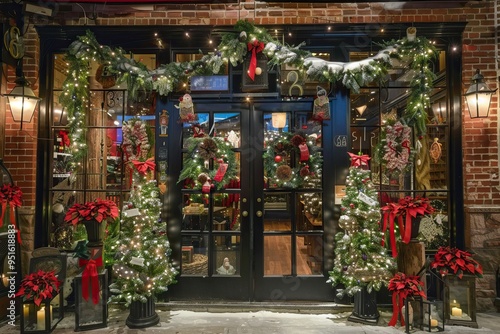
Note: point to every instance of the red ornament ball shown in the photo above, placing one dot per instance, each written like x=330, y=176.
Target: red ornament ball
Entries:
x=278, y=159
x=351, y=205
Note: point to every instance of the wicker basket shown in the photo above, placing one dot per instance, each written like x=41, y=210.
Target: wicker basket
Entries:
x=199, y=266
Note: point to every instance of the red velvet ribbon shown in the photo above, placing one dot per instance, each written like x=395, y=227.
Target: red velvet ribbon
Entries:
x=90, y=276
x=143, y=167
x=304, y=152
x=397, y=305
x=14, y=200
x=255, y=47
x=389, y=217
x=65, y=138
x=358, y=160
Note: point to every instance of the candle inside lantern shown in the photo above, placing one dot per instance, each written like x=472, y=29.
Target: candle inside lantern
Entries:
x=456, y=312
x=26, y=312
x=434, y=322
x=40, y=319
x=454, y=304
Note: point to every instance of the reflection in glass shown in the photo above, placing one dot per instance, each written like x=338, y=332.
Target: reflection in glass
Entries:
x=194, y=255
x=309, y=255
x=277, y=255
x=227, y=126
x=310, y=211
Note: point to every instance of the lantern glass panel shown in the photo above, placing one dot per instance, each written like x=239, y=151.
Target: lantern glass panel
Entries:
x=461, y=300
x=433, y=316
x=90, y=313
x=43, y=318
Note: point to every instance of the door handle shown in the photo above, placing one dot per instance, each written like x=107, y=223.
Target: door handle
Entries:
x=258, y=213
x=244, y=213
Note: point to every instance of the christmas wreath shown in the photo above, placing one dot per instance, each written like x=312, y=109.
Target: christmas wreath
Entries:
x=208, y=162
x=394, y=151
x=291, y=160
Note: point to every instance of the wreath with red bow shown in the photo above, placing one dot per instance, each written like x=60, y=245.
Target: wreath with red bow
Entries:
x=290, y=160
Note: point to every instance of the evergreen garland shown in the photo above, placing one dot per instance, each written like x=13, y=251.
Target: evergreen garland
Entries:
x=194, y=164
x=276, y=170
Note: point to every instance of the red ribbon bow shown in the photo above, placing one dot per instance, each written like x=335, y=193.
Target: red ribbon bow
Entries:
x=143, y=166
x=12, y=196
x=89, y=276
x=65, y=138
x=255, y=47
x=358, y=160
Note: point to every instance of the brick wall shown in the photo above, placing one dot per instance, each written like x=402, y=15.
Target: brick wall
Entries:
x=480, y=137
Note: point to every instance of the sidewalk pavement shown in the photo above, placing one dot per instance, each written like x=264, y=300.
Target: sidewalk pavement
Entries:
x=174, y=321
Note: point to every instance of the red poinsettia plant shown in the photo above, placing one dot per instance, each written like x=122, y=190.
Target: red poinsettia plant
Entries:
x=402, y=212
x=453, y=260
x=404, y=286
x=39, y=286
x=99, y=210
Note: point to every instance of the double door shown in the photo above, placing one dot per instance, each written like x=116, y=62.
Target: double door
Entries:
x=261, y=236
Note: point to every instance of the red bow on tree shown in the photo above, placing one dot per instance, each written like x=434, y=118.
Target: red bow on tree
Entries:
x=143, y=166
x=255, y=47
x=65, y=138
x=358, y=160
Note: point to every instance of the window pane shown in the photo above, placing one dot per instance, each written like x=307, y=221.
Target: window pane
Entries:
x=194, y=255
x=309, y=255
x=277, y=255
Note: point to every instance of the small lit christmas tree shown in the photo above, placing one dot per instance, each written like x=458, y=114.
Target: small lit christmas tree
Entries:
x=360, y=259
x=142, y=267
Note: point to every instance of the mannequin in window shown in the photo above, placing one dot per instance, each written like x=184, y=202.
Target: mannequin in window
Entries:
x=226, y=268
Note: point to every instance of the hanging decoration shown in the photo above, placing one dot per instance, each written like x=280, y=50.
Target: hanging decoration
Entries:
x=394, y=151
x=10, y=198
x=254, y=48
x=291, y=160
x=321, y=108
x=199, y=170
x=186, y=109
x=436, y=150
x=136, y=140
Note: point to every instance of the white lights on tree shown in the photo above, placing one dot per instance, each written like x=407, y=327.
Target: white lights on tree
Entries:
x=478, y=97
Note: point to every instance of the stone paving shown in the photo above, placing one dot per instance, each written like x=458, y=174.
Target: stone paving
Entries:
x=178, y=321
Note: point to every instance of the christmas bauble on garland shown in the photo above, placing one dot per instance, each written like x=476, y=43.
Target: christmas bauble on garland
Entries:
x=290, y=159
x=202, y=160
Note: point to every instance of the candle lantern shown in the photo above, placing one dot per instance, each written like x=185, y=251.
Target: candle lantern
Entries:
x=460, y=300
x=43, y=318
x=91, y=300
x=423, y=314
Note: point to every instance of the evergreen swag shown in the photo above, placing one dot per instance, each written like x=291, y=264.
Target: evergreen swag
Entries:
x=200, y=150
x=283, y=151
x=233, y=48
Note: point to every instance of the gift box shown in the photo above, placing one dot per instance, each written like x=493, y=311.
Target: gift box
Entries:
x=91, y=300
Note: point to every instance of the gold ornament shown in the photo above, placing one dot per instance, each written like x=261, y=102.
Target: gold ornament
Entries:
x=436, y=150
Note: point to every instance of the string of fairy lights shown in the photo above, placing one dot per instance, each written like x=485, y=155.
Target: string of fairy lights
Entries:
x=233, y=49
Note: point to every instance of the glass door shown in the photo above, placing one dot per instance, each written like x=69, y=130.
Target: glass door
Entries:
x=288, y=228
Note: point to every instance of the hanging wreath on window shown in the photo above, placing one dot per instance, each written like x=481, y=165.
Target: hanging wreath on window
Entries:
x=208, y=163
x=291, y=161
x=394, y=151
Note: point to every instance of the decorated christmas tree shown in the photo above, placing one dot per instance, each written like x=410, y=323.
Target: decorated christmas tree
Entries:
x=360, y=259
x=142, y=265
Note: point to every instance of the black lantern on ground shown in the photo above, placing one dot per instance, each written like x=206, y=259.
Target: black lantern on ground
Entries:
x=478, y=97
x=43, y=318
x=91, y=300
x=460, y=300
x=424, y=315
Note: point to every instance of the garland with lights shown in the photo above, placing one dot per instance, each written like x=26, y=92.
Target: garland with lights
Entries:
x=201, y=153
x=288, y=150
x=234, y=48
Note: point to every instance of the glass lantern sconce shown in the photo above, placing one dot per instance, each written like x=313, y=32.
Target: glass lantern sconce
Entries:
x=22, y=101
x=478, y=97
x=91, y=313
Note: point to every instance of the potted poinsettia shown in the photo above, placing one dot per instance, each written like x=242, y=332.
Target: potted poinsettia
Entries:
x=403, y=286
x=450, y=260
x=92, y=214
x=406, y=212
x=10, y=198
x=39, y=286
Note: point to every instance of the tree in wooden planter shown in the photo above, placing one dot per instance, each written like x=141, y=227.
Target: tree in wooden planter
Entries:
x=361, y=261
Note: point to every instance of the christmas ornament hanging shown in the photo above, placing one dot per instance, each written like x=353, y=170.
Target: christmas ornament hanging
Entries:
x=436, y=150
